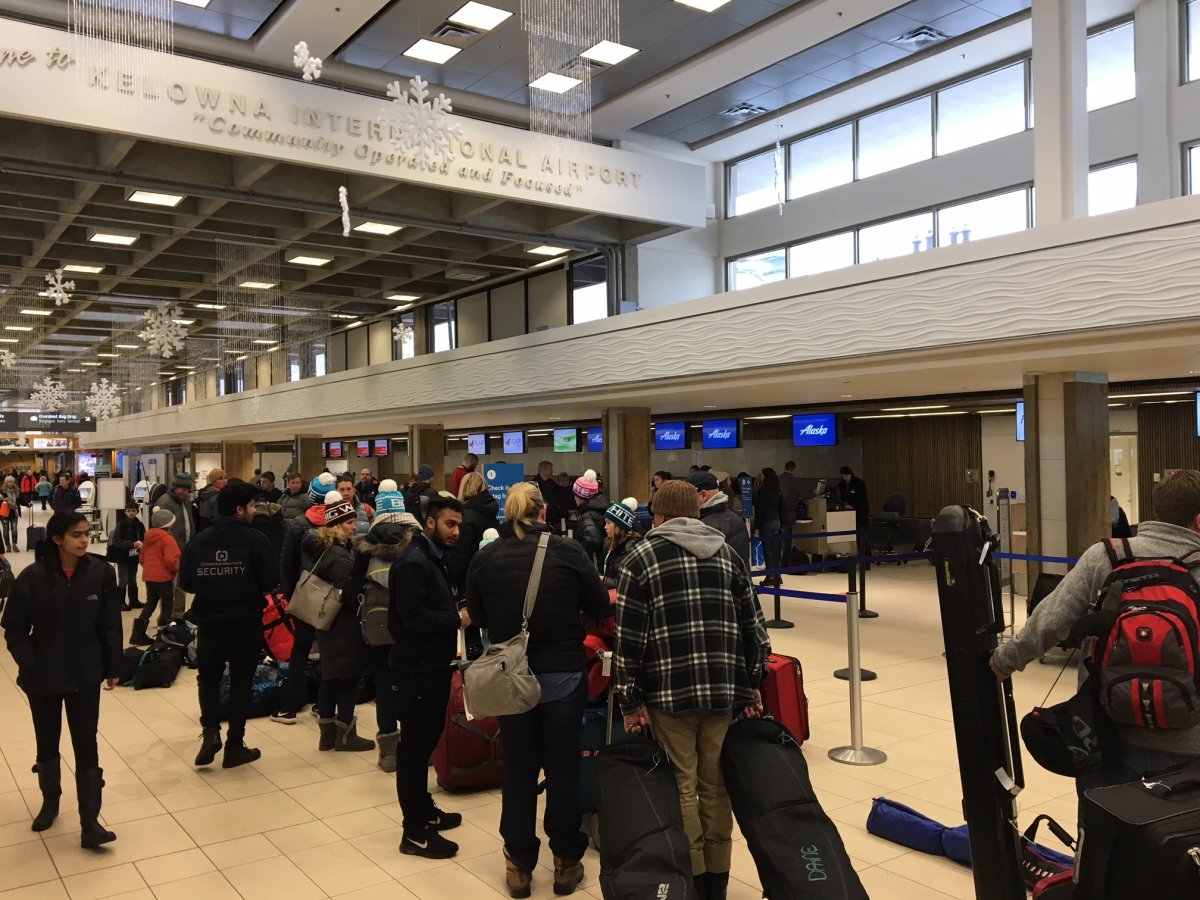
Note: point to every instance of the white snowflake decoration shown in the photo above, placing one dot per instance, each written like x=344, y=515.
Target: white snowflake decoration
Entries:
x=344, y=203
x=8, y=359
x=48, y=394
x=306, y=61
x=102, y=400
x=57, y=289
x=402, y=332
x=421, y=123
x=162, y=334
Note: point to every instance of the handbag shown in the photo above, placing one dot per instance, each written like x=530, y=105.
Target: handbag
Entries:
x=315, y=601
x=500, y=682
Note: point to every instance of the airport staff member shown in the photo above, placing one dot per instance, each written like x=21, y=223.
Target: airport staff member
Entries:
x=852, y=491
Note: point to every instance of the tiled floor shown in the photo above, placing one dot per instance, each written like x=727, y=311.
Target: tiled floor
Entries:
x=300, y=823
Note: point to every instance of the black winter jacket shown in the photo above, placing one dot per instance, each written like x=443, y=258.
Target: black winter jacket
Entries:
x=614, y=556
x=127, y=533
x=730, y=524
x=479, y=514
x=496, y=584
x=230, y=569
x=65, y=635
x=343, y=651
x=423, y=615
x=412, y=499
x=589, y=529
x=768, y=505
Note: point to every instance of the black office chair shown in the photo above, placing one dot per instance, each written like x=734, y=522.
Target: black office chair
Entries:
x=894, y=509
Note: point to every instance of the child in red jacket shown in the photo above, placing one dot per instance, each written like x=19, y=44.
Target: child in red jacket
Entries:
x=160, y=565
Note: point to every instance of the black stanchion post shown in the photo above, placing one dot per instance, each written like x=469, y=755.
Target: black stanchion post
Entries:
x=852, y=597
x=863, y=612
x=779, y=621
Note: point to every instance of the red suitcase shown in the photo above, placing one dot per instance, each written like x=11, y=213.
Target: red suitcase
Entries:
x=278, y=631
x=783, y=695
x=470, y=755
x=1056, y=887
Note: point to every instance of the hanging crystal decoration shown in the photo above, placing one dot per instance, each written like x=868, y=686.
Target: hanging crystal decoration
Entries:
x=248, y=287
x=560, y=92
x=110, y=42
x=780, y=176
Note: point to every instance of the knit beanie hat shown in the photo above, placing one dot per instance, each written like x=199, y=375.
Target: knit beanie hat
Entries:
x=182, y=480
x=676, y=500
x=488, y=536
x=622, y=514
x=342, y=511
x=162, y=518
x=586, y=485
x=320, y=486
x=389, y=506
x=332, y=497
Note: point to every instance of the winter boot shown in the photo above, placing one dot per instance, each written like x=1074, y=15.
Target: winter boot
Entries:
x=89, y=784
x=329, y=733
x=518, y=881
x=348, y=739
x=210, y=744
x=387, y=750
x=567, y=876
x=49, y=773
x=716, y=884
x=699, y=887
x=238, y=754
x=138, y=637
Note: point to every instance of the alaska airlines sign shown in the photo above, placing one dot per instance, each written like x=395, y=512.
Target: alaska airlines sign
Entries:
x=215, y=107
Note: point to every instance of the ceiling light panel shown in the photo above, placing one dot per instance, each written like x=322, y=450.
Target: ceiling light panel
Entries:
x=302, y=260
x=546, y=250
x=209, y=305
x=35, y=312
x=83, y=270
x=609, y=52
x=403, y=298
x=112, y=236
x=202, y=4
x=555, y=83
x=154, y=198
x=703, y=5
x=258, y=285
x=480, y=16
x=431, y=51
x=377, y=228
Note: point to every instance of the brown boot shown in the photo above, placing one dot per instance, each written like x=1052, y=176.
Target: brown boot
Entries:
x=518, y=880
x=567, y=875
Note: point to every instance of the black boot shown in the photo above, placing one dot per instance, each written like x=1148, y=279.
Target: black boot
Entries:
x=209, y=745
x=238, y=754
x=716, y=884
x=699, y=887
x=49, y=773
x=138, y=637
x=89, y=784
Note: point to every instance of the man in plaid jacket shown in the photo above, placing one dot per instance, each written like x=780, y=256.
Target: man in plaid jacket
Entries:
x=691, y=647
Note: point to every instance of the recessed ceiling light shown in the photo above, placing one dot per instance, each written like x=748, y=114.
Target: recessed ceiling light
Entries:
x=36, y=312
x=9, y=341
x=209, y=305
x=703, y=5
x=76, y=371
x=431, y=51
x=847, y=396
x=893, y=416
x=203, y=4
x=166, y=373
x=153, y=198
x=378, y=228
x=109, y=355
x=342, y=316
x=311, y=260
x=83, y=270
x=480, y=16
x=111, y=236
x=18, y=328
x=188, y=368
x=354, y=324
x=258, y=285
x=92, y=365
x=184, y=321
x=267, y=343
x=1140, y=396
x=555, y=83
x=913, y=408
x=609, y=52
x=403, y=298
x=128, y=346
x=547, y=250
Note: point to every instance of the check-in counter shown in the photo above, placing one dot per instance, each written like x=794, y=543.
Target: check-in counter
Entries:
x=821, y=521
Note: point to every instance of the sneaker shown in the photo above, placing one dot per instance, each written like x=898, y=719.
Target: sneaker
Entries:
x=238, y=754
x=313, y=712
x=284, y=717
x=444, y=821
x=431, y=846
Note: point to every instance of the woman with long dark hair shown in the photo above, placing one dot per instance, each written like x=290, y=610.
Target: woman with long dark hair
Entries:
x=62, y=625
x=768, y=519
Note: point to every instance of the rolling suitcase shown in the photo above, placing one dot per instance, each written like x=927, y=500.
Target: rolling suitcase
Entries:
x=470, y=755
x=796, y=847
x=644, y=852
x=783, y=695
x=34, y=535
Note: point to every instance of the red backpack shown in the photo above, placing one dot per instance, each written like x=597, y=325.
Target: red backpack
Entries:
x=1146, y=661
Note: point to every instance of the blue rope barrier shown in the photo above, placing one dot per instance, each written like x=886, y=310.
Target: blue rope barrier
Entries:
x=895, y=557
x=802, y=595
x=1062, y=560
x=839, y=563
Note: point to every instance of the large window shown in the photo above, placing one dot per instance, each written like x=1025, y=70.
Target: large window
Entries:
x=589, y=290
x=895, y=137
x=176, y=391
x=983, y=218
x=762, y=268
x=1112, y=187
x=1193, y=169
x=442, y=326
x=1192, y=29
x=1110, y=73
x=405, y=345
x=899, y=237
x=982, y=109
x=822, y=161
x=752, y=183
x=821, y=255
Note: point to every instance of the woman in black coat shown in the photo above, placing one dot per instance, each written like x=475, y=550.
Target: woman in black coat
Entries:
x=62, y=625
x=328, y=553
x=547, y=736
x=480, y=512
x=768, y=518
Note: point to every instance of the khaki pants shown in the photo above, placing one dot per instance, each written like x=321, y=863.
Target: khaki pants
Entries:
x=694, y=745
x=180, y=601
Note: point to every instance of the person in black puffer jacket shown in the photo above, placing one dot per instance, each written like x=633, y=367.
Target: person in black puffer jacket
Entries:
x=570, y=586
x=328, y=554
x=124, y=549
x=622, y=535
x=480, y=512
x=62, y=624
x=590, y=506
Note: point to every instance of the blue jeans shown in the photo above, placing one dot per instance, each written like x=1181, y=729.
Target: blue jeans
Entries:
x=770, y=531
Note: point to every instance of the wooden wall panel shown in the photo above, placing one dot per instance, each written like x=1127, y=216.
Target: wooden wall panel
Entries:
x=925, y=459
x=1166, y=440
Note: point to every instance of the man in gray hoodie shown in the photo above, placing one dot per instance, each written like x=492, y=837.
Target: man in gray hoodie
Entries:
x=715, y=513
x=1173, y=534
x=691, y=649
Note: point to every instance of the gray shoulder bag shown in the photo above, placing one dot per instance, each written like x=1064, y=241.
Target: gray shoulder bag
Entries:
x=500, y=682
x=315, y=601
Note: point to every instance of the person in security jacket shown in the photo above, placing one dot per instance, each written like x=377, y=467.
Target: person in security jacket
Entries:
x=62, y=624
x=230, y=568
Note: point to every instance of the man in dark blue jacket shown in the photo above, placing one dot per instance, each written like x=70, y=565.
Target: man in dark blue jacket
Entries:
x=230, y=568
x=424, y=619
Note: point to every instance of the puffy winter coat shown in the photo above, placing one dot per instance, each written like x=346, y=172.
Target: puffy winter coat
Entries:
x=343, y=651
x=589, y=529
x=160, y=556
x=479, y=514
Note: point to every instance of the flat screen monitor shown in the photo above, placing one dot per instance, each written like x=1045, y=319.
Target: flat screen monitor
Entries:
x=514, y=442
x=566, y=440
x=477, y=444
x=1020, y=420
x=382, y=447
x=363, y=449
x=819, y=490
x=120, y=462
x=814, y=430
x=87, y=463
x=324, y=449
x=335, y=450
x=595, y=439
x=670, y=436
x=721, y=434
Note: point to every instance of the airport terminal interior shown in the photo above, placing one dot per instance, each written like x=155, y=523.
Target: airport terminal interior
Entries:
x=620, y=236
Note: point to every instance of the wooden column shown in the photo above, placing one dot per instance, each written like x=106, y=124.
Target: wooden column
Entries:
x=427, y=446
x=307, y=455
x=626, y=463
x=237, y=459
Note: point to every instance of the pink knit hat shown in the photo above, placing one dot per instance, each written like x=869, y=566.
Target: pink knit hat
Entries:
x=586, y=485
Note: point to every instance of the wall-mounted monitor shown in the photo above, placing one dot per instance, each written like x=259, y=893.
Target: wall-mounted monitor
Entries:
x=514, y=442
x=324, y=449
x=1020, y=420
x=721, y=434
x=335, y=450
x=120, y=462
x=670, y=436
x=363, y=449
x=595, y=439
x=814, y=430
x=382, y=447
x=477, y=444
x=566, y=440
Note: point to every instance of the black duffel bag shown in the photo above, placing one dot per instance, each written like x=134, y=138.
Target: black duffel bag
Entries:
x=158, y=667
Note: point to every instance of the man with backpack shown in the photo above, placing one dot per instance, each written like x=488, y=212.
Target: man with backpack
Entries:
x=1145, y=631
